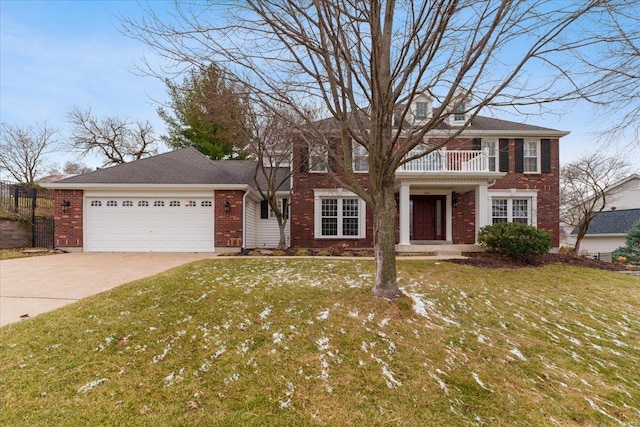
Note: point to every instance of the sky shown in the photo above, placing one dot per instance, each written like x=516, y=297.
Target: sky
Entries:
x=57, y=55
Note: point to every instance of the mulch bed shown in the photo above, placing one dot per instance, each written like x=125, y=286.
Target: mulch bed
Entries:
x=478, y=259
x=492, y=260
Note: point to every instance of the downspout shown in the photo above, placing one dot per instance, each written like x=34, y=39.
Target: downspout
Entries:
x=243, y=249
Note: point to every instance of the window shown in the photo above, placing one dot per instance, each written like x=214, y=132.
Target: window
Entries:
x=158, y=203
x=266, y=212
x=143, y=203
x=510, y=210
x=95, y=203
x=489, y=147
x=190, y=203
x=460, y=113
x=422, y=110
x=112, y=203
x=127, y=203
x=174, y=203
x=206, y=203
x=317, y=160
x=530, y=158
x=339, y=214
x=360, y=158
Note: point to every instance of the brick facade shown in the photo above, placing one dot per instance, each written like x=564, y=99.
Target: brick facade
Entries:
x=68, y=231
x=228, y=225
x=463, y=215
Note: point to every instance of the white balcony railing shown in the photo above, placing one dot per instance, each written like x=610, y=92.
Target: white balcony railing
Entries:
x=457, y=161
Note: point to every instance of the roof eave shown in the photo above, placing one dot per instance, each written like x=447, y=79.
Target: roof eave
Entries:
x=156, y=187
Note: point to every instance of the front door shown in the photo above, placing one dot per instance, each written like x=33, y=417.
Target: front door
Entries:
x=428, y=217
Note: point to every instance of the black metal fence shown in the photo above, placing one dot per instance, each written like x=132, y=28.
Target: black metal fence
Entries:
x=34, y=204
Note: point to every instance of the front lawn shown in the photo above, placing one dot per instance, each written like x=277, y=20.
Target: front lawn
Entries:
x=294, y=342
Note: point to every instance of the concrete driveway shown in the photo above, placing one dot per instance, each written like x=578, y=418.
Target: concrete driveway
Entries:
x=30, y=286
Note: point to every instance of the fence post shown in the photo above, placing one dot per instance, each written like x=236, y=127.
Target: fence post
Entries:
x=34, y=197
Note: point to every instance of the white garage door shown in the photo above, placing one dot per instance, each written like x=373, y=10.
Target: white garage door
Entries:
x=158, y=224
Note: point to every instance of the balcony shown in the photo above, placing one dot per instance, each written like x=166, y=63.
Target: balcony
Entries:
x=450, y=161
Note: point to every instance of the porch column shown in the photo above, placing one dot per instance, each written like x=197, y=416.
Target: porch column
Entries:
x=482, y=208
x=404, y=214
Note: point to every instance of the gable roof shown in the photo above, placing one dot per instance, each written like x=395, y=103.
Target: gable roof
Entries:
x=612, y=222
x=183, y=166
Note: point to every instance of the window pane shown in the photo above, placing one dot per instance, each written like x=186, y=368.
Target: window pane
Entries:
x=499, y=208
x=329, y=226
x=350, y=207
x=329, y=207
x=112, y=203
x=360, y=158
x=350, y=226
x=421, y=110
x=143, y=203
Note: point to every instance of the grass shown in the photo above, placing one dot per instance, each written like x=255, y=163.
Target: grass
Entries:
x=259, y=342
x=17, y=253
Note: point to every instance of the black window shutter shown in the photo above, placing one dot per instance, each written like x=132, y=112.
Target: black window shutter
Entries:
x=285, y=208
x=304, y=159
x=477, y=144
x=264, y=209
x=519, y=155
x=546, y=155
x=504, y=155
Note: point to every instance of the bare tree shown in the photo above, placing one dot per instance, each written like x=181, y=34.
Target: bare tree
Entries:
x=614, y=66
x=587, y=187
x=22, y=150
x=116, y=140
x=272, y=137
x=365, y=62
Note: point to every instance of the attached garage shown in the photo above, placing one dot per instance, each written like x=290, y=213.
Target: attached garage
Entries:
x=162, y=223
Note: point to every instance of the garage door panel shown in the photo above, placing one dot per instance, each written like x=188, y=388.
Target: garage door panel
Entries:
x=157, y=224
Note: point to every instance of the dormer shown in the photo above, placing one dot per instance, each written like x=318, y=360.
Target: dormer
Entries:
x=459, y=107
x=421, y=108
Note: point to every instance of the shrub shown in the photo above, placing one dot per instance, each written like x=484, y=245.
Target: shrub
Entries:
x=632, y=249
x=303, y=252
x=516, y=241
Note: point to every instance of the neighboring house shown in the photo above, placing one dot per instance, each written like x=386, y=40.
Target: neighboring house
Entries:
x=608, y=230
x=494, y=171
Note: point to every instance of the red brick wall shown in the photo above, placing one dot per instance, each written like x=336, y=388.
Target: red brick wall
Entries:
x=68, y=225
x=302, y=210
x=463, y=216
x=228, y=225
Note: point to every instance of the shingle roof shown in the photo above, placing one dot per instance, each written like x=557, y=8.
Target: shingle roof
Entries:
x=479, y=123
x=613, y=222
x=184, y=166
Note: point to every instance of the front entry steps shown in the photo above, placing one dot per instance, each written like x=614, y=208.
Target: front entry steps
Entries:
x=439, y=248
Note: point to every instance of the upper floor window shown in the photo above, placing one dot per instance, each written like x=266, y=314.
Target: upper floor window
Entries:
x=531, y=157
x=360, y=158
x=422, y=110
x=490, y=148
x=317, y=160
x=460, y=113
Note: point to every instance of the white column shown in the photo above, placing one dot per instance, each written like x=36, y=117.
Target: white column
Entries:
x=449, y=217
x=404, y=214
x=482, y=208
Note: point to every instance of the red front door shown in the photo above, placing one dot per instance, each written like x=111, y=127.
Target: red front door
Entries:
x=428, y=217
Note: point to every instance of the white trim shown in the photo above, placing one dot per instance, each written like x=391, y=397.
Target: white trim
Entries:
x=340, y=194
x=538, y=144
x=152, y=187
x=514, y=193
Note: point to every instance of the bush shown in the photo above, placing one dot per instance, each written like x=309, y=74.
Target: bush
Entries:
x=632, y=250
x=516, y=241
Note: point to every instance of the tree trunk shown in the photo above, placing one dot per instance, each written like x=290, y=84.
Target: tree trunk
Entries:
x=282, y=244
x=384, y=241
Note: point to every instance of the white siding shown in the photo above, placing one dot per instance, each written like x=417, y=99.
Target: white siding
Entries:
x=250, y=225
x=627, y=196
x=604, y=244
x=268, y=232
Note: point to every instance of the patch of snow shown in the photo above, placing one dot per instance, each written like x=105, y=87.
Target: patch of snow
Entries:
x=88, y=386
x=480, y=383
x=265, y=313
x=518, y=354
x=389, y=378
x=323, y=315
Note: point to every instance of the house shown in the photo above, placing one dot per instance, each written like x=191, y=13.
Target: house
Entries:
x=494, y=171
x=608, y=230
